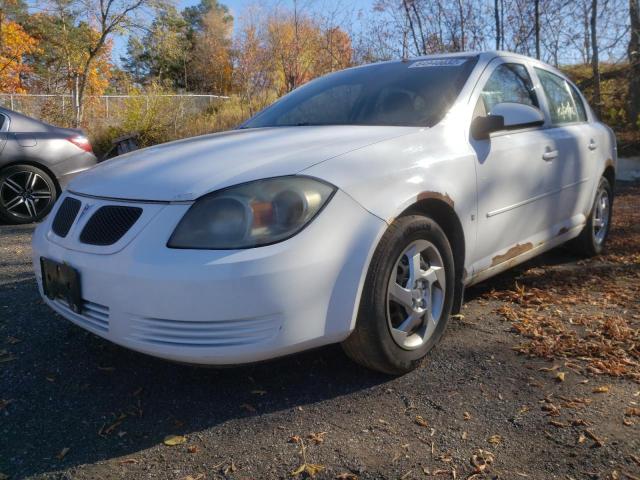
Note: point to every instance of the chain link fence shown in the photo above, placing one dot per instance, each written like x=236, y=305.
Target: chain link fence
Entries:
x=106, y=110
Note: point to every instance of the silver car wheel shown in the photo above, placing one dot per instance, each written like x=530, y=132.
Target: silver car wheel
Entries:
x=601, y=215
x=25, y=194
x=416, y=295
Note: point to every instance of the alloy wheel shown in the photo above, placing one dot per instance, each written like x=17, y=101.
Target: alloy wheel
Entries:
x=601, y=215
x=25, y=194
x=416, y=295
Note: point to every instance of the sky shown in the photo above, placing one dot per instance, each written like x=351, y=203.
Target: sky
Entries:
x=237, y=6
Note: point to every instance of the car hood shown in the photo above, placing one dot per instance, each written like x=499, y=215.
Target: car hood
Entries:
x=188, y=169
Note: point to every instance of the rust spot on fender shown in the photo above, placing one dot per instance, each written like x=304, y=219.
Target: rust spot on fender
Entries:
x=562, y=231
x=436, y=196
x=511, y=253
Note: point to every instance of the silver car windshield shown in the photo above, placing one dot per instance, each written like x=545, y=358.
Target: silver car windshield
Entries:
x=412, y=93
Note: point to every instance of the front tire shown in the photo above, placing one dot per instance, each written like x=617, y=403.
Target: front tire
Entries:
x=593, y=237
x=27, y=194
x=407, y=297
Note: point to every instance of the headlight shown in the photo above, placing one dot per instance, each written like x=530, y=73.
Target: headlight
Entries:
x=252, y=214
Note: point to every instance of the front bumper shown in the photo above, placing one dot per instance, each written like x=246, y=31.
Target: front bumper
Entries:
x=217, y=307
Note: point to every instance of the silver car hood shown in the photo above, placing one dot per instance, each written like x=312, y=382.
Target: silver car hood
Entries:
x=188, y=169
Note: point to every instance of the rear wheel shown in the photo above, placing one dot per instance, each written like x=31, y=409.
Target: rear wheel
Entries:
x=27, y=194
x=592, y=239
x=407, y=297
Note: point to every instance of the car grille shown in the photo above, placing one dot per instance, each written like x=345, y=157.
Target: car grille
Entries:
x=93, y=315
x=66, y=215
x=109, y=224
x=222, y=333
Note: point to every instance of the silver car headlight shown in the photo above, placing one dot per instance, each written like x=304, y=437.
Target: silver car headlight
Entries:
x=252, y=214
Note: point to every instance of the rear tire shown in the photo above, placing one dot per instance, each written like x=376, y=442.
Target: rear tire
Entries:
x=27, y=194
x=411, y=274
x=592, y=239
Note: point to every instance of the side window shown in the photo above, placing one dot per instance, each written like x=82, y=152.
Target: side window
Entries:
x=2, y=121
x=562, y=106
x=509, y=82
x=577, y=99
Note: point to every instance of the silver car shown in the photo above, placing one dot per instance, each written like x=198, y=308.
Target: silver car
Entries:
x=37, y=160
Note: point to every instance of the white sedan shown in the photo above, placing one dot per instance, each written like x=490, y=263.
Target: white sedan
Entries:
x=356, y=209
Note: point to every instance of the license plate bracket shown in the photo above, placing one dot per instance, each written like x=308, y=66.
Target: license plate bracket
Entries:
x=62, y=281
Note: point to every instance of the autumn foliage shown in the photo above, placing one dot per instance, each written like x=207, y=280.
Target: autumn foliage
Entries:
x=15, y=44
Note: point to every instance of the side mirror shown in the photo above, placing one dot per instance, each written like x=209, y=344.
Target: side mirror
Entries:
x=506, y=116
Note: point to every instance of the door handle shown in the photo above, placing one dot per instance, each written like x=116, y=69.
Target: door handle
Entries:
x=549, y=155
x=593, y=145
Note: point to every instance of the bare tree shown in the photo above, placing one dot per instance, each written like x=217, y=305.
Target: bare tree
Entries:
x=536, y=16
x=634, y=62
x=106, y=18
x=595, y=62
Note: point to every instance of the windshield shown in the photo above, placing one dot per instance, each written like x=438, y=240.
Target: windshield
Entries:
x=413, y=93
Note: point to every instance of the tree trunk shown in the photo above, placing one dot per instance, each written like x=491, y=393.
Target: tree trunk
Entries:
x=595, y=64
x=634, y=63
x=537, y=25
x=496, y=14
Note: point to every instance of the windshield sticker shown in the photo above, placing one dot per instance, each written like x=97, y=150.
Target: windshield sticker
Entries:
x=438, y=62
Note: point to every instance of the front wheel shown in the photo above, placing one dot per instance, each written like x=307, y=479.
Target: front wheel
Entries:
x=592, y=239
x=407, y=297
x=27, y=194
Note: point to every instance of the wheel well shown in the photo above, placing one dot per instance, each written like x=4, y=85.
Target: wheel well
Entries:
x=42, y=167
x=444, y=215
x=610, y=175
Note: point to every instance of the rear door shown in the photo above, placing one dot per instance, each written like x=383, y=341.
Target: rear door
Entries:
x=572, y=167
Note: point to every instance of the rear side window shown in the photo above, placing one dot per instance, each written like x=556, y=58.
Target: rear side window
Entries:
x=582, y=112
x=562, y=105
x=509, y=82
x=3, y=119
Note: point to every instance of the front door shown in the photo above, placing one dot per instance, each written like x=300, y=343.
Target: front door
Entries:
x=512, y=170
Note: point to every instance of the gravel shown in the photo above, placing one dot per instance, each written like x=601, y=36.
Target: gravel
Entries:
x=75, y=406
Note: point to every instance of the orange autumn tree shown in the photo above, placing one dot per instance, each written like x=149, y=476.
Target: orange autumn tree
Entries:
x=302, y=49
x=15, y=44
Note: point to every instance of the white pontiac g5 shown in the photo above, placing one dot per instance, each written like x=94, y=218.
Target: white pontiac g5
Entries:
x=355, y=209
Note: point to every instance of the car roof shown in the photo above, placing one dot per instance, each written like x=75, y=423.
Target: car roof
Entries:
x=484, y=57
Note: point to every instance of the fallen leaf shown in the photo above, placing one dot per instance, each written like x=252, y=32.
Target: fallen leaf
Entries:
x=192, y=449
x=63, y=453
x=346, y=476
x=309, y=468
x=317, y=438
x=555, y=423
x=230, y=468
x=466, y=416
x=560, y=376
x=601, y=389
x=421, y=421
x=172, y=440
x=549, y=369
x=198, y=476
x=495, y=439
x=598, y=441
x=632, y=412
